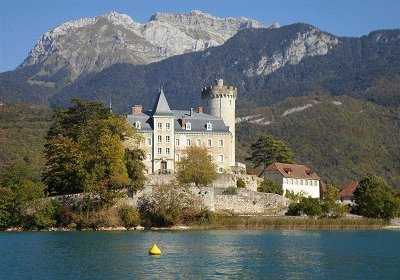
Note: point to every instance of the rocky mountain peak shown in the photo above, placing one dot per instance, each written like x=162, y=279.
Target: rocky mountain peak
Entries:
x=87, y=45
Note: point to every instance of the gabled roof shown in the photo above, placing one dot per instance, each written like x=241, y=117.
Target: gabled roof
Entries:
x=293, y=171
x=348, y=190
x=161, y=107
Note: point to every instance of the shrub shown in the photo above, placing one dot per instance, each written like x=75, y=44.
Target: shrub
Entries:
x=269, y=186
x=129, y=216
x=240, y=183
x=230, y=190
x=169, y=205
x=43, y=214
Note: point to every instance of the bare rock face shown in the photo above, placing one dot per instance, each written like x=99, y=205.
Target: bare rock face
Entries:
x=309, y=43
x=87, y=45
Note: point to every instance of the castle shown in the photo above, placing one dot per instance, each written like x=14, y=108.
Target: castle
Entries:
x=167, y=133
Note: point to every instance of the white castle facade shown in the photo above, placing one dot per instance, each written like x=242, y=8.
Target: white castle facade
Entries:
x=167, y=133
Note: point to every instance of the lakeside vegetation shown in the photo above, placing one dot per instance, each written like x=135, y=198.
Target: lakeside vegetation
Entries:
x=85, y=156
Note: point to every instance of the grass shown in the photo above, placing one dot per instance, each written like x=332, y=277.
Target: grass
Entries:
x=282, y=222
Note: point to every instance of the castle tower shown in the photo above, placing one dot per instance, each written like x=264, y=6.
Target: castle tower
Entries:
x=220, y=102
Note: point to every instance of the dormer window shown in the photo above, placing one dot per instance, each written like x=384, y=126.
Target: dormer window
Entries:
x=188, y=126
x=138, y=125
x=209, y=126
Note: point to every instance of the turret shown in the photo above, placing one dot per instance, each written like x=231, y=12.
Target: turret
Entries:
x=220, y=102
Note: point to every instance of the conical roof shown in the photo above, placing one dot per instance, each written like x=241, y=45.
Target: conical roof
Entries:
x=161, y=107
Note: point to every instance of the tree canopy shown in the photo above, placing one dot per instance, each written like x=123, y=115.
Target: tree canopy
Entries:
x=375, y=198
x=84, y=148
x=197, y=167
x=268, y=150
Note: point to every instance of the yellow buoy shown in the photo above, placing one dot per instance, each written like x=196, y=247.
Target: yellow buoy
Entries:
x=154, y=250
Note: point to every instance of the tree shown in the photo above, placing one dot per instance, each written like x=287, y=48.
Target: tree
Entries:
x=84, y=148
x=135, y=168
x=330, y=206
x=269, y=186
x=268, y=150
x=375, y=198
x=197, y=167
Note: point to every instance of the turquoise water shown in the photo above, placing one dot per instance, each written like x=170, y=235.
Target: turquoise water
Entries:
x=212, y=254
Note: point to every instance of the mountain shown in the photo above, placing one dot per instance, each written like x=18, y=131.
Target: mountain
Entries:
x=267, y=66
x=82, y=46
x=341, y=138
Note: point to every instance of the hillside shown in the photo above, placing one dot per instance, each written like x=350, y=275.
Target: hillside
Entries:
x=340, y=137
x=22, y=133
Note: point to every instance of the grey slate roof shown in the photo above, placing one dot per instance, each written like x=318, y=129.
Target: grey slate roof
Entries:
x=161, y=107
x=198, y=121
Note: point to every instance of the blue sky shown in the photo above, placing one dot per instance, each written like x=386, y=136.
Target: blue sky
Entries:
x=22, y=22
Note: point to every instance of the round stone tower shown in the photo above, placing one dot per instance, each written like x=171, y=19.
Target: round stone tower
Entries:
x=220, y=102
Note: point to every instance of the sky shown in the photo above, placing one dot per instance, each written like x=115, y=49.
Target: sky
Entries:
x=22, y=22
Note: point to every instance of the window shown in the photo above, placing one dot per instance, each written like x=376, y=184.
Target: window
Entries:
x=220, y=170
x=176, y=142
x=188, y=142
x=148, y=157
x=188, y=126
x=138, y=125
x=285, y=181
x=209, y=126
x=148, y=141
x=315, y=183
x=159, y=138
x=221, y=158
x=301, y=182
x=159, y=125
x=209, y=142
x=167, y=139
x=159, y=151
x=221, y=143
x=167, y=125
x=177, y=157
x=198, y=142
x=167, y=151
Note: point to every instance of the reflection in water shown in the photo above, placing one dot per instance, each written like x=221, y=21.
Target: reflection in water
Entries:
x=217, y=254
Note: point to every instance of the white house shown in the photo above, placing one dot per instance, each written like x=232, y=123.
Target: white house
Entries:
x=294, y=177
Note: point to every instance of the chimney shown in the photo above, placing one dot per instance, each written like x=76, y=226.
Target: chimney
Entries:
x=200, y=109
x=191, y=111
x=136, y=109
x=183, y=121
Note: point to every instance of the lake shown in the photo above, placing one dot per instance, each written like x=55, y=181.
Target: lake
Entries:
x=207, y=254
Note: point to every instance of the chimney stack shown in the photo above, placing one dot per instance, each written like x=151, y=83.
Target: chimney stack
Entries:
x=183, y=121
x=136, y=109
x=191, y=111
x=200, y=109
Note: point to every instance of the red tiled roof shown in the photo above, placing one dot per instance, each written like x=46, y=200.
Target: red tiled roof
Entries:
x=348, y=190
x=293, y=171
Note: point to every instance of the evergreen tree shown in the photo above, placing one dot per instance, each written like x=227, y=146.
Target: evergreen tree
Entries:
x=268, y=150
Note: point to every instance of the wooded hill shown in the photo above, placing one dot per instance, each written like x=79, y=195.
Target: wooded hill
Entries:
x=340, y=138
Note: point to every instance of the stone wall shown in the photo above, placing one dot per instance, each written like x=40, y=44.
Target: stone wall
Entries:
x=246, y=201
x=250, y=202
